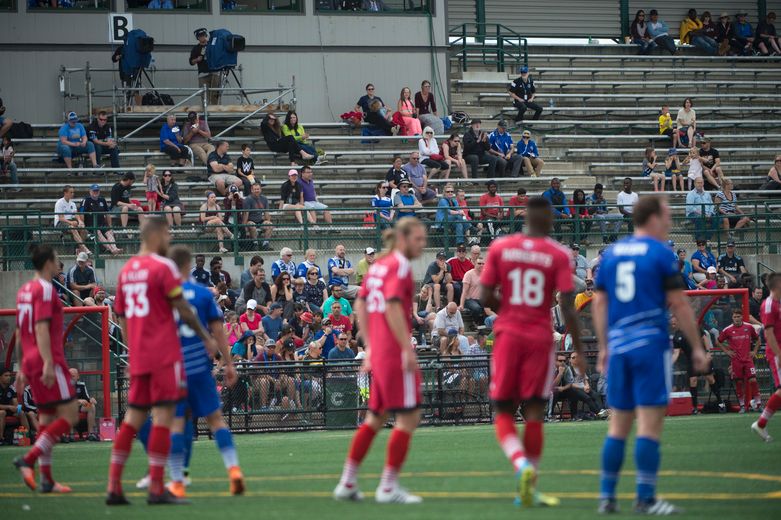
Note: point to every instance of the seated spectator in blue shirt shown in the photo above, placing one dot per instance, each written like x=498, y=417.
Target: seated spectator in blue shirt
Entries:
x=272, y=322
x=609, y=223
x=171, y=142
x=342, y=349
x=660, y=33
x=687, y=271
x=701, y=211
x=701, y=260
x=405, y=201
x=742, y=35
x=527, y=149
x=244, y=349
x=450, y=212
x=73, y=141
x=502, y=147
x=558, y=200
x=383, y=205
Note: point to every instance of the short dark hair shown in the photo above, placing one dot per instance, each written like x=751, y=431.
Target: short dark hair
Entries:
x=220, y=143
x=180, y=255
x=153, y=225
x=645, y=208
x=102, y=113
x=67, y=188
x=244, y=147
x=129, y=176
x=255, y=260
x=653, y=12
x=521, y=191
x=199, y=255
x=538, y=203
x=305, y=168
x=598, y=186
x=737, y=310
x=773, y=279
x=40, y=254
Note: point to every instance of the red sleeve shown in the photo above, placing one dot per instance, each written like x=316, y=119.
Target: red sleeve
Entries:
x=362, y=292
x=723, y=335
x=395, y=284
x=483, y=199
x=348, y=326
x=43, y=303
x=119, y=301
x=171, y=281
x=490, y=276
x=769, y=314
x=754, y=335
x=564, y=273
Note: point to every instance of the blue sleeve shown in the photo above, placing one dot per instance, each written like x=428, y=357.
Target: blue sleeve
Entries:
x=275, y=271
x=492, y=140
x=331, y=265
x=668, y=262
x=213, y=311
x=535, y=150
x=301, y=270
x=601, y=282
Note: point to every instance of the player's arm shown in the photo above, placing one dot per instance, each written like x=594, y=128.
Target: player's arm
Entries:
x=45, y=349
x=186, y=314
x=679, y=306
x=573, y=327
x=397, y=321
x=21, y=378
x=362, y=319
x=489, y=298
x=756, y=347
x=770, y=338
x=599, y=318
x=218, y=333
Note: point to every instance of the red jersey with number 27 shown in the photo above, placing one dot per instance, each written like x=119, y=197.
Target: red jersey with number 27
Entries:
x=389, y=278
x=528, y=271
x=37, y=300
x=147, y=285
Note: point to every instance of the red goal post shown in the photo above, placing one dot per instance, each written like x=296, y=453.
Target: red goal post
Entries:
x=72, y=322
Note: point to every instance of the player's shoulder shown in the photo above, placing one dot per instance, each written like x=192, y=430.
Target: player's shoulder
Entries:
x=557, y=247
x=398, y=264
x=769, y=305
x=164, y=263
x=41, y=289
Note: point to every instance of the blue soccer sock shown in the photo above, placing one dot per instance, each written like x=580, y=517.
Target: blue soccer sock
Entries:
x=176, y=457
x=647, y=459
x=224, y=441
x=612, y=459
x=189, y=430
x=143, y=433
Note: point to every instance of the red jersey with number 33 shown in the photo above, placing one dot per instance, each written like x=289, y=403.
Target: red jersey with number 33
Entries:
x=528, y=271
x=147, y=284
x=771, y=317
x=36, y=301
x=389, y=278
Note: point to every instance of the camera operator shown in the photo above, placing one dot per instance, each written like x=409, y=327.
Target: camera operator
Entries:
x=127, y=80
x=211, y=80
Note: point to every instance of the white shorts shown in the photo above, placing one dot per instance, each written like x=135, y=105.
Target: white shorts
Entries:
x=313, y=204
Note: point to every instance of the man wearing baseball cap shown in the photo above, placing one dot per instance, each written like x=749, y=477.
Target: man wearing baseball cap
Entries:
x=743, y=35
x=81, y=277
x=290, y=195
x=198, y=57
x=73, y=141
x=522, y=91
x=405, y=200
x=369, y=256
x=196, y=135
x=97, y=219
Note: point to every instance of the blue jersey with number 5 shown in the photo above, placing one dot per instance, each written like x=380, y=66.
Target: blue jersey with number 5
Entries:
x=196, y=358
x=635, y=274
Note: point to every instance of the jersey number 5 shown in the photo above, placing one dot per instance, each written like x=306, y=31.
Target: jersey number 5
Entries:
x=625, y=281
x=136, y=302
x=528, y=287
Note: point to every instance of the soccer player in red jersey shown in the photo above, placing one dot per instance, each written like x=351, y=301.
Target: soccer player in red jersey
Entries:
x=521, y=275
x=383, y=309
x=40, y=324
x=736, y=340
x=149, y=294
x=771, y=319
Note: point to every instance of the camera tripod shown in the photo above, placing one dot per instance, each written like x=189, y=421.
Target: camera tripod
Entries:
x=225, y=82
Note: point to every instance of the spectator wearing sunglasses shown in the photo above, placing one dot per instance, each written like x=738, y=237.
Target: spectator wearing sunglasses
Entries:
x=383, y=205
x=102, y=137
x=342, y=349
x=431, y=156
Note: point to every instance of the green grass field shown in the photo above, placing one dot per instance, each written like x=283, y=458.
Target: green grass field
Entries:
x=712, y=465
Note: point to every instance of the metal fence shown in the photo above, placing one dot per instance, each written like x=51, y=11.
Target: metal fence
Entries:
x=326, y=395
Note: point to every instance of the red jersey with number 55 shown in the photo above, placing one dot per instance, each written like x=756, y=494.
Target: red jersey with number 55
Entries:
x=528, y=271
x=389, y=278
x=36, y=301
x=147, y=285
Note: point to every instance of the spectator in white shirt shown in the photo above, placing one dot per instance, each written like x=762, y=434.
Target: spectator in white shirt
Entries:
x=448, y=318
x=626, y=201
x=67, y=218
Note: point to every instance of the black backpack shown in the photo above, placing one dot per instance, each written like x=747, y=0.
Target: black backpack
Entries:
x=21, y=130
x=155, y=98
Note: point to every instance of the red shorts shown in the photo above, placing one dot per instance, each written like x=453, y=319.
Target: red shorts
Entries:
x=166, y=385
x=521, y=368
x=47, y=398
x=393, y=389
x=775, y=369
x=742, y=369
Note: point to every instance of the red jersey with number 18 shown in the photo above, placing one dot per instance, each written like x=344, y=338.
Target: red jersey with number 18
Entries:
x=147, y=284
x=389, y=278
x=529, y=271
x=37, y=300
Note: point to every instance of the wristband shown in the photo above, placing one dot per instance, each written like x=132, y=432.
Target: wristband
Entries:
x=18, y=409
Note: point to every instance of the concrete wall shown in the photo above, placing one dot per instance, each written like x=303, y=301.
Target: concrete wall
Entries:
x=332, y=57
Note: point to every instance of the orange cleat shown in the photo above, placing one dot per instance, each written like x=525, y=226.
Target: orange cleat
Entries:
x=237, y=480
x=27, y=472
x=177, y=489
x=55, y=487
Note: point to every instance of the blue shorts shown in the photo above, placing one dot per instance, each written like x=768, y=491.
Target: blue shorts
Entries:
x=640, y=377
x=202, y=397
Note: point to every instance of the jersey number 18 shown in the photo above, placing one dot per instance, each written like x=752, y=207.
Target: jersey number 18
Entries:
x=528, y=287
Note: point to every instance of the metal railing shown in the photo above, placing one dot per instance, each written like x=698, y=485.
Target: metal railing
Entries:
x=360, y=227
x=488, y=44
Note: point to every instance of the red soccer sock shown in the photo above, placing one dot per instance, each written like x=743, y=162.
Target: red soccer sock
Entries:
x=533, y=441
x=159, y=447
x=747, y=396
x=398, y=445
x=45, y=460
x=755, y=395
x=739, y=390
x=47, y=440
x=507, y=435
x=362, y=441
x=119, y=454
x=773, y=404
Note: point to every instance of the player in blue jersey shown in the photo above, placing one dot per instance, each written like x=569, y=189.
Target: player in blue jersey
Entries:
x=638, y=278
x=202, y=399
